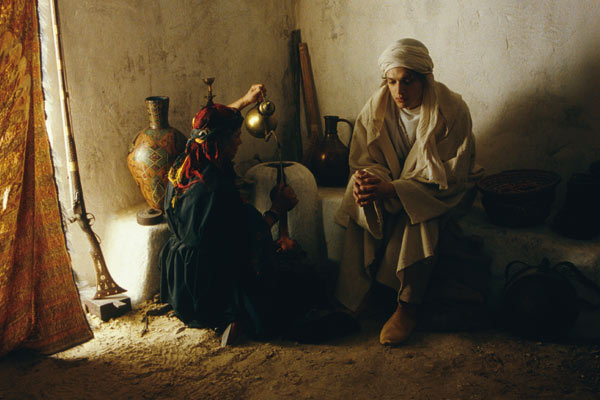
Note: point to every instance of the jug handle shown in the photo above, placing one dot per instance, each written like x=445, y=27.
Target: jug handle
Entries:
x=351, y=130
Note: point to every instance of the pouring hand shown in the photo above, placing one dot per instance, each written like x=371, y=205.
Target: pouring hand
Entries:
x=254, y=95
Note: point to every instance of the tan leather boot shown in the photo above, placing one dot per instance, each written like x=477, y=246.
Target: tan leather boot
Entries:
x=398, y=328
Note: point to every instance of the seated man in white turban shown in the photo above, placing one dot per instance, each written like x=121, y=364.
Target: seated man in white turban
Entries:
x=412, y=157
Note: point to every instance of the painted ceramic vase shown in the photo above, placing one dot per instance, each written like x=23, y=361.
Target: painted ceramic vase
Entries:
x=153, y=151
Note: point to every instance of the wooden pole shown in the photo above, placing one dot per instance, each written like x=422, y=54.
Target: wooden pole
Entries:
x=313, y=118
x=296, y=137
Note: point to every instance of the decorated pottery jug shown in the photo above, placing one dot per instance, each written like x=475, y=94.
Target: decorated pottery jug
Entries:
x=153, y=151
x=330, y=160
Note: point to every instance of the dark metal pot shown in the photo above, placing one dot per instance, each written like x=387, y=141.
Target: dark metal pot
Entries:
x=539, y=302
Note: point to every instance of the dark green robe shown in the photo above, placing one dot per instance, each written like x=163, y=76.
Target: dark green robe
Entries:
x=217, y=265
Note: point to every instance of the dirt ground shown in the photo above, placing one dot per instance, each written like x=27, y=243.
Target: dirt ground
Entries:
x=171, y=361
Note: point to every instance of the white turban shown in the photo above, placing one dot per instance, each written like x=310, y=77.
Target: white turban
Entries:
x=412, y=54
x=406, y=53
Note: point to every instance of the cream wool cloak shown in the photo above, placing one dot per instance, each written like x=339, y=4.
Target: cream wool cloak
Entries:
x=403, y=230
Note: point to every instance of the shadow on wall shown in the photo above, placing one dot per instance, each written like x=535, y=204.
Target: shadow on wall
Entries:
x=544, y=128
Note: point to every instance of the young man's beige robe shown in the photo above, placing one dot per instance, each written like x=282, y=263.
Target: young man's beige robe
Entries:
x=408, y=226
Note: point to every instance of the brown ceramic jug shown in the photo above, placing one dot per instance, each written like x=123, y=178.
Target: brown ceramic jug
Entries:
x=329, y=162
x=153, y=151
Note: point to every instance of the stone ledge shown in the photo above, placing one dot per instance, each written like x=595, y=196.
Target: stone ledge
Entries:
x=529, y=245
x=131, y=251
x=331, y=199
x=504, y=245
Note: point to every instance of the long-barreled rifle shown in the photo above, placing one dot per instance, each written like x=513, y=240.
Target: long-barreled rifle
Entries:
x=105, y=284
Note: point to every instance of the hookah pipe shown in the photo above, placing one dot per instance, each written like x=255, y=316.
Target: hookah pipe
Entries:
x=261, y=123
x=285, y=243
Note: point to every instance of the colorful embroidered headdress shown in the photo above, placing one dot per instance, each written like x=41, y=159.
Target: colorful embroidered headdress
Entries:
x=211, y=126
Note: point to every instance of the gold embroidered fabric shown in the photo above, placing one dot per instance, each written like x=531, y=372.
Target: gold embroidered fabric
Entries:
x=39, y=303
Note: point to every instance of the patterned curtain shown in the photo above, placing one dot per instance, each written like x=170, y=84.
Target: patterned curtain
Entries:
x=39, y=303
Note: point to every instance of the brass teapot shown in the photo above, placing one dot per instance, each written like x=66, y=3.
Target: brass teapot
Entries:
x=260, y=120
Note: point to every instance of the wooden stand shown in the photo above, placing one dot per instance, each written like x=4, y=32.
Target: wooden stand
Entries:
x=109, y=307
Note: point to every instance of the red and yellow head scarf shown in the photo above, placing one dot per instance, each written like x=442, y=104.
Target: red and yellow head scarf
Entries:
x=210, y=127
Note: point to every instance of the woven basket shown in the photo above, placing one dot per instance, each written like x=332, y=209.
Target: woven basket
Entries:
x=518, y=198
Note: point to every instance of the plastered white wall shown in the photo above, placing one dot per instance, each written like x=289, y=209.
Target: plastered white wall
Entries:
x=119, y=52
x=527, y=69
